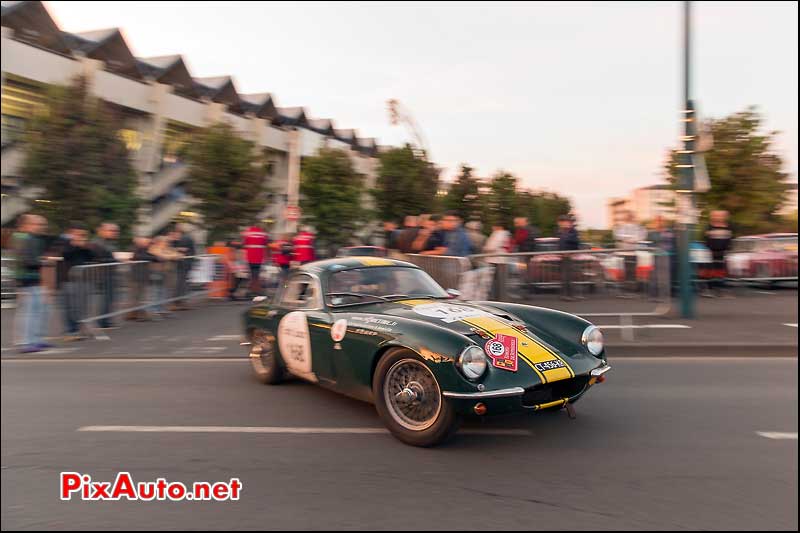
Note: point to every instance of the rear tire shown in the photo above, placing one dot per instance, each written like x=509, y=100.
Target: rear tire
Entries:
x=410, y=402
x=264, y=358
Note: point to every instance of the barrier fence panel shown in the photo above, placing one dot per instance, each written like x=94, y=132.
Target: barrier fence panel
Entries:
x=446, y=270
x=9, y=283
x=96, y=293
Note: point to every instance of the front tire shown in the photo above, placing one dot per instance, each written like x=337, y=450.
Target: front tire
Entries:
x=410, y=402
x=264, y=359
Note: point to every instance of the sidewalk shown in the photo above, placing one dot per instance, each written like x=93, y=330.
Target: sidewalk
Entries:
x=751, y=324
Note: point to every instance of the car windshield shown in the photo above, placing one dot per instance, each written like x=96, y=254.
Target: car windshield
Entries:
x=368, y=285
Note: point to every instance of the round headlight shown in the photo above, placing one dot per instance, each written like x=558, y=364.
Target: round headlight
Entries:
x=592, y=338
x=472, y=362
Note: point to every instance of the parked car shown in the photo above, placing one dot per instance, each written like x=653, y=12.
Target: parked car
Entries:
x=385, y=332
x=770, y=257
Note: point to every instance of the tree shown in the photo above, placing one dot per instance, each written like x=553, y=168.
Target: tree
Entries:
x=406, y=185
x=331, y=196
x=74, y=154
x=227, y=176
x=463, y=196
x=746, y=175
x=543, y=210
x=500, y=202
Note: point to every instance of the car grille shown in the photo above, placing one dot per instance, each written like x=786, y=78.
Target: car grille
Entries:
x=550, y=392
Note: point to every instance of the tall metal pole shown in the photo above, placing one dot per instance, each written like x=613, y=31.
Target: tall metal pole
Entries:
x=686, y=208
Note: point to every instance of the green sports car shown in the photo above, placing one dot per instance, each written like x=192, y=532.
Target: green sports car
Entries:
x=385, y=332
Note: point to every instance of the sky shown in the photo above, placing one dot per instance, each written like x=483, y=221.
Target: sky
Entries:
x=582, y=99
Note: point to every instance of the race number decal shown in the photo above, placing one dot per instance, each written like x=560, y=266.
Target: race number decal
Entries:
x=339, y=330
x=448, y=312
x=295, y=344
x=502, y=349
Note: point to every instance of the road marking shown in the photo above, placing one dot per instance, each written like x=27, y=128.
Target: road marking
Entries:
x=49, y=351
x=791, y=325
x=279, y=430
x=777, y=435
x=646, y=326
x=217, y=338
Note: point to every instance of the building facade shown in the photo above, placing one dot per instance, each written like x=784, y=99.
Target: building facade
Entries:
x=646, y=203
x=162, y=105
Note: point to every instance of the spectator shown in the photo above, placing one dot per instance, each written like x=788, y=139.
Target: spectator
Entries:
x=568, y=240
x=239, y=268
x=303, y=246
x=525, y=235
x=164, y=256
x=75, y=253
x=103, y=248
x=182, y=243
x=456, y=240
x=628, y=237
x=407, y=236
x=499, y=242
x=476, y=236
x=140, y=275
x=389, y=235
x=430, y=237
x=718, y=240
x=256, y=242
x=282, y=254
x=31, y=317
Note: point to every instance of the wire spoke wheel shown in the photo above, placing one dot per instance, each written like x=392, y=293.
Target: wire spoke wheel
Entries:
x=412, y=395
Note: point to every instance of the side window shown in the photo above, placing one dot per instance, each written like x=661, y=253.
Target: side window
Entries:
x=301, y=293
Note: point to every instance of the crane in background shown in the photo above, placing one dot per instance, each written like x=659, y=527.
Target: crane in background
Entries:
x=398, y=114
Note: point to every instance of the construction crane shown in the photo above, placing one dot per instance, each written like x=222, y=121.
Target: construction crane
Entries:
x=399, y=114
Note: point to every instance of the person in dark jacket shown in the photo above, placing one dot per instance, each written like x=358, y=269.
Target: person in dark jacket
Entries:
x=525, y=235
x=568, y=240
x=103, y=248
x=75, y=252
x=718, y=240
x=31, y=314
x=183, y=243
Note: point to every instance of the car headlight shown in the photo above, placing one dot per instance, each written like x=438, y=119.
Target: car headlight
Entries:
x=592, y=338
x=472, y=362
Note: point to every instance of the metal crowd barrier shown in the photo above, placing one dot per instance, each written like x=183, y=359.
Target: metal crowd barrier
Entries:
x=445, y=269
x=8, y=282
x=96, y=293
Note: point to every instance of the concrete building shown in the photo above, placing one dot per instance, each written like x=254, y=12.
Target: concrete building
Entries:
x=645, y=203
x=162, y=105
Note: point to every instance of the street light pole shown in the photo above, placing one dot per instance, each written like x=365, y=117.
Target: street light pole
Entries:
x=685, y=199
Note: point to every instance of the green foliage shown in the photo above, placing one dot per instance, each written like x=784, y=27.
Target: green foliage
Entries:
x=543, y=210
x=331, y=196
x=74, y=154
x=746, y=175
x=227, y=176
x=407, y=184
x=463, y=196
x=500, y=201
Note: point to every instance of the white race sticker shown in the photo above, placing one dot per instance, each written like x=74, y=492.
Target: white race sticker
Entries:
x=294, y=342
x=448, y=312
x=338, y=330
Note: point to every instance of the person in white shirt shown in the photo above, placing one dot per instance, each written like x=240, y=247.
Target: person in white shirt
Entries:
x=499, y=242
x=628, y=235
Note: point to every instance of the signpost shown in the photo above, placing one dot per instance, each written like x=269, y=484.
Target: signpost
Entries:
x=292, y=213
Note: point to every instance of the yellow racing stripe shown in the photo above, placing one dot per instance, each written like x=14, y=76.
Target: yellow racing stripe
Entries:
x=373, y=261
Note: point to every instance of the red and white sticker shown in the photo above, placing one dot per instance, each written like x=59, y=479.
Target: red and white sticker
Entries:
x=339, y=330
x=502, y=349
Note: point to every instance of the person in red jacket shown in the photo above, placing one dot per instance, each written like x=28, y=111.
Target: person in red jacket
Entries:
x=303, y=247
x=255, y=242
x=282, y=254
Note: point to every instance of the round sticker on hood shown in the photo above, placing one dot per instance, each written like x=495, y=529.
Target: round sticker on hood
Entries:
x=448, y=312
x=338, y=330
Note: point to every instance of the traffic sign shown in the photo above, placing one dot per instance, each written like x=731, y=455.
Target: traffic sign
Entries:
x=292, y=213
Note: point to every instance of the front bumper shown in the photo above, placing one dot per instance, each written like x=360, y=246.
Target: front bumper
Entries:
x=518, y=399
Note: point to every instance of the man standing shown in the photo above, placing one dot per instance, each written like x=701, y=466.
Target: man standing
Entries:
x=525, y=235
x=456, y=240
x=255, y=242
x=303, y=246
x=282, y=255
x=476, y=236
x=568, y=240
x=103, y=248
x=407, y=235
x=664, y=261
x=76, y=252
x=182, y=243
x=718, y=240
x=31, y=316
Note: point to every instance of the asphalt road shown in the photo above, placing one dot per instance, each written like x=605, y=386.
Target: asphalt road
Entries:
x=664, y=444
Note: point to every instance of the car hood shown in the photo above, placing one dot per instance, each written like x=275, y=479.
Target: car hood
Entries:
x=460, y=317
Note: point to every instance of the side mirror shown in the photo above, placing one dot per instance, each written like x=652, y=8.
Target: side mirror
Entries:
x=454, y=293
x=259, y=299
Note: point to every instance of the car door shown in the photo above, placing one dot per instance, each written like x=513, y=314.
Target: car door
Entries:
x=303, y=329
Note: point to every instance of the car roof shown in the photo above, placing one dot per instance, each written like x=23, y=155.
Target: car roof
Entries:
x=344, y=263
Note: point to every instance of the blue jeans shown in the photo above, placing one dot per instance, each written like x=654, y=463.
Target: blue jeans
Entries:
x=73, y=298
x=31, y=316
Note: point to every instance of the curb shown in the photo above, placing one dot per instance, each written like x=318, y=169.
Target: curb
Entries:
x=701, y=350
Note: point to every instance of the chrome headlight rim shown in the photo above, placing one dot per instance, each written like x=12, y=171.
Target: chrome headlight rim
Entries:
x=587, y=342
x=462, y=366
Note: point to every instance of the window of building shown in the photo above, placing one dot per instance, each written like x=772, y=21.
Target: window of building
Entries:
x=175, y=144
x=21, y=101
